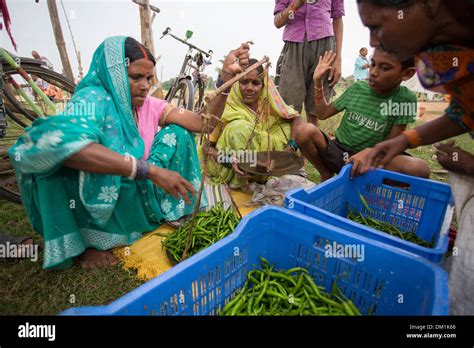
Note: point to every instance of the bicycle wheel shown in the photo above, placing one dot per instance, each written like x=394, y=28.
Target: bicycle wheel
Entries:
x=198, y=96
x=15, y=104
x=19, y=117
x=51, y=77
x=183, y=96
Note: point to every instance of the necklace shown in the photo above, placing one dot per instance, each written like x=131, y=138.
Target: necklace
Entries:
x=135, y=116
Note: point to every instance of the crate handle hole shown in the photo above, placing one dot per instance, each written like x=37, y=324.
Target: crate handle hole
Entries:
x=397, y=184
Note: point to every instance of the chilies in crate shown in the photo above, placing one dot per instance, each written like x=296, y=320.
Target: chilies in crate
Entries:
x=208, y=228
x=290, y=292
x=386, y=227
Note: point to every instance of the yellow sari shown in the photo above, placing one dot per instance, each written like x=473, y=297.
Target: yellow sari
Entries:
x=244, y=129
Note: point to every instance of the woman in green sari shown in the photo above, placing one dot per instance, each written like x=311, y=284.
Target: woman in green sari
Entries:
x=101, y=173
x=245, y=130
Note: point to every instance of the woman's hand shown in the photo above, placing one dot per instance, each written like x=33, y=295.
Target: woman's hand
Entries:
x=172, y=183
x=454, y=159
x=325, y=64
x=240, y=173
x=382, y=153
x=235, y=62
x=360, y=162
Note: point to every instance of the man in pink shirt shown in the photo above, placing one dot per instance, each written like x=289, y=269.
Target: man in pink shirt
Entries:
x=312, y=27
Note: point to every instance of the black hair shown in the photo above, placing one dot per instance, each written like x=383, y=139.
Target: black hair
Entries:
x=253, y=61
x=134, y=50
x=390, y=3
x=406, y=64
x=363, y=48
x=409, y=63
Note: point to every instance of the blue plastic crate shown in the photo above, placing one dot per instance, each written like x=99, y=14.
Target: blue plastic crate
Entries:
x=388, y=281
x=421, y=206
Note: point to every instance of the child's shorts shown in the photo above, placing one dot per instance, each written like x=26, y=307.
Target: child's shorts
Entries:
x=336, y=154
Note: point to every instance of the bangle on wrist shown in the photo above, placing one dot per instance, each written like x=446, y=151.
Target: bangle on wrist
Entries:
x=143, y=170
x=414, y=139
x=292, y=143
x=227, y=162
x=221, y=82
x=133, y=174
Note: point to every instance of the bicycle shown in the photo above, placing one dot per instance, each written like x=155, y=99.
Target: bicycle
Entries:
x=18, y=111
x=191, y=79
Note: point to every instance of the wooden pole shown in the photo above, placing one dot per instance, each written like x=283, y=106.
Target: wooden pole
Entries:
x=58, y=34
x=147, y=39
x=81, y=73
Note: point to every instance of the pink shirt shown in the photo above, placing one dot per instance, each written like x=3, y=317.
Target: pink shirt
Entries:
x=148, y=121
x=312, y=20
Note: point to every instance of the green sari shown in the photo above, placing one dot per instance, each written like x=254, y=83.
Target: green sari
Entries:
x=238, y=123
x=74, y=210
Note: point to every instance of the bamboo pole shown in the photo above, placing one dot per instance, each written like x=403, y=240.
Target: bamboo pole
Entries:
x=58, y=34
x=30, y=82
x=147, y=38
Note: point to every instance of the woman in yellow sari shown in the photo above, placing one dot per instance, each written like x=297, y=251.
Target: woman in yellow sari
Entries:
x=245, y=129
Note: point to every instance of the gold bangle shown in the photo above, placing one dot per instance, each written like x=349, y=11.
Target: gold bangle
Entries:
x=414, y=139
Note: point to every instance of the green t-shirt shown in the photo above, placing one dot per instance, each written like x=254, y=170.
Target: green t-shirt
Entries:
x=369, y=117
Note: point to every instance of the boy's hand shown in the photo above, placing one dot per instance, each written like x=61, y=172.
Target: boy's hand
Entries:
x=454, y=159
x=360, y=162
x=324, y=65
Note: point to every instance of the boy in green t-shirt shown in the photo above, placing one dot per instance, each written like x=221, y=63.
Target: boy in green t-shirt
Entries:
x=375, y=110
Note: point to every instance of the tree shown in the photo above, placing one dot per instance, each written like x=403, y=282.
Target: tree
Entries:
x=167, y=84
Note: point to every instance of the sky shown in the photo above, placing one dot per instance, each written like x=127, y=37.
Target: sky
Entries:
x=218, y=25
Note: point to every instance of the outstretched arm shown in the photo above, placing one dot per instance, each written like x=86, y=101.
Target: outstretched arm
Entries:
x=431, y=132
x=96, y=158
x=323, y=110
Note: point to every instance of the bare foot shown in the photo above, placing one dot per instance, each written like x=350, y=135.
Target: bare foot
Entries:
x=28, y=241
x=93, y=258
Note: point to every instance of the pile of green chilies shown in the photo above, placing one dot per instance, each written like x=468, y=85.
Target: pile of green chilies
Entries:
x=208, y=228
x=385, y=226
x=388, y=228
x=269, y=292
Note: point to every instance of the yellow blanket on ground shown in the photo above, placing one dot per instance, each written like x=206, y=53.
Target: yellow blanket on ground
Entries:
x=148, y=257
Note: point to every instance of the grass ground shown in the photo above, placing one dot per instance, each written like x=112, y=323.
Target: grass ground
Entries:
x=27, y=289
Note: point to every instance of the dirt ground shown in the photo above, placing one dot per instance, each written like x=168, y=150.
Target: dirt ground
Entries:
x=432, y=109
